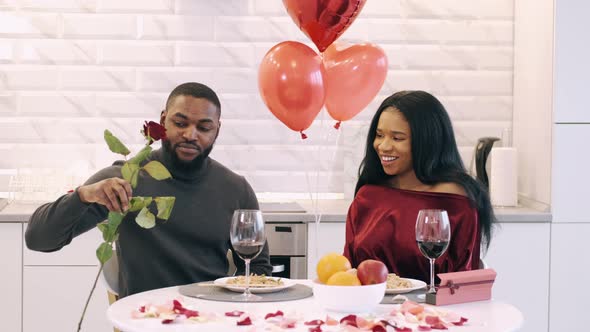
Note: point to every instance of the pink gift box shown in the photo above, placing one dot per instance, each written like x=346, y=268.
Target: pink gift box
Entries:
x=465, y=286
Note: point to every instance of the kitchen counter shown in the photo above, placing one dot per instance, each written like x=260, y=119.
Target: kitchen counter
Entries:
x=335, y=211
x=332, y=211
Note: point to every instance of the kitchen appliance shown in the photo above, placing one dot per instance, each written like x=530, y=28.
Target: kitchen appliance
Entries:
x=287, y=240
x=482, y=152
x=287, y=243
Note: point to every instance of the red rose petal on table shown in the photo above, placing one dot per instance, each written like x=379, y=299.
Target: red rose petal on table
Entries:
x=439, y=326
x=430, y=320
x=270, y=315
x=235, y=313
x=190, y=313
x=142, y=308
x=395, y=327
x=179, y=309
x=350, y=320
x=461, y=321
x=378, y=328
x=177, y=306
x=167, y=321
x=245, y=321
x=314, y=322
x=424, y=328
x=316, y=329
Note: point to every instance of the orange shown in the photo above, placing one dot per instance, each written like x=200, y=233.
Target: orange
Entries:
x=343, y=279
x=330, y=264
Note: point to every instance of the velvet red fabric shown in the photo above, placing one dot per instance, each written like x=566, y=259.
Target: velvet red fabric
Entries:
x=381, y=225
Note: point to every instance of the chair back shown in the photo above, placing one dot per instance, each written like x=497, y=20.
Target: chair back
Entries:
x=110, y=275
x=110, y=278
x=232, y=269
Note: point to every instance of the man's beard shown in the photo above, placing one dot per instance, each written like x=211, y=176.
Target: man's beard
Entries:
x=183, y=165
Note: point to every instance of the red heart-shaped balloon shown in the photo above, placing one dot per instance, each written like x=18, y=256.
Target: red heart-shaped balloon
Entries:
x=323, y=21
x=290, y=81
x=353, y=76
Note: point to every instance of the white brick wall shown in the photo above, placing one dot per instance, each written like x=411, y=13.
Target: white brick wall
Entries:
x=55, y=52
x=71, y=68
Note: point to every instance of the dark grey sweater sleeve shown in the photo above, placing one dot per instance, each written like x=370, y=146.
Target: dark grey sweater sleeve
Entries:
x=260, y=264
x=53, y=225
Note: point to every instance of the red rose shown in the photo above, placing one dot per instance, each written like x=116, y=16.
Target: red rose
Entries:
x=154, y=131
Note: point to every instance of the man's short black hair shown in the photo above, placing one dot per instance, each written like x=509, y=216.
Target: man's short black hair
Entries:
x=196, y=90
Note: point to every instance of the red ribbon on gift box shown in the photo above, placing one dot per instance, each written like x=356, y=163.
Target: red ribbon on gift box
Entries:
x=453, y=286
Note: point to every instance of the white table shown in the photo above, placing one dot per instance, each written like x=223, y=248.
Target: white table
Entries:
x=484, y=316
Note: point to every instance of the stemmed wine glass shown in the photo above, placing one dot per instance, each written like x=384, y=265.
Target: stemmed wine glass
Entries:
x=433, y=233
x=247, y=238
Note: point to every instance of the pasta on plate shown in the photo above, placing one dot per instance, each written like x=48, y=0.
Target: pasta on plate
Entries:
x=256, y=281
x=395, y=282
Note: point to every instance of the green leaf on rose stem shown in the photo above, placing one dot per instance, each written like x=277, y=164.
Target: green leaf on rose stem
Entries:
x=109, y=234
x=165, y=205
x=104, y=252
x=128, y=169
x=103, y=227
x=115, y=144
x=134, y=178
x=141, y=155
x=110, y=228
x=115, y=218
x=157, y=170
x=139, y=202
x=145, y=218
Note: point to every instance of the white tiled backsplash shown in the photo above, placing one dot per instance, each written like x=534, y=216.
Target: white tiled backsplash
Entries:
x=71, y=68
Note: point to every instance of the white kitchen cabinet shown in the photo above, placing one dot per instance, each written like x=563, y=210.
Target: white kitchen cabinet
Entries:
x=54, y=297
x=519, y=253
x=10, y=277
x=570, y=273
x=56, y=285
x=326, y=237
x=81, y=251
x=570, y=163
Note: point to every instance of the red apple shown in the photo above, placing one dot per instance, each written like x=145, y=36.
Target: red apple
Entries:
x=371, y=272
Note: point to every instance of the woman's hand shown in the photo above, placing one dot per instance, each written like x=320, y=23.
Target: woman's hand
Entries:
x=114, y=193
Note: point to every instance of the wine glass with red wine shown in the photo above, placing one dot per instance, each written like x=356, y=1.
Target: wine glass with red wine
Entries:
x=433, y=233
x=247, y=238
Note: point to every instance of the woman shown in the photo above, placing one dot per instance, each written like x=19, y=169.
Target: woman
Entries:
x=411, y=163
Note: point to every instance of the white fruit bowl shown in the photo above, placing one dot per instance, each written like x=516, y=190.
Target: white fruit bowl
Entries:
x=348, y=299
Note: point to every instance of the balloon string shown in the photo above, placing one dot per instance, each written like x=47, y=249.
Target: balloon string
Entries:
x=315, y=212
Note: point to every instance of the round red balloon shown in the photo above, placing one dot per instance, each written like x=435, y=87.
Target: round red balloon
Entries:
x=290, y=81
x=354, y=74
x=323, y=21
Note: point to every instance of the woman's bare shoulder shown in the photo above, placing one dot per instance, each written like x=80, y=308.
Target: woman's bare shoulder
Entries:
x=450, y=188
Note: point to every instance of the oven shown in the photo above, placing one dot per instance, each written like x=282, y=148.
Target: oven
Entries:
x=287, y=242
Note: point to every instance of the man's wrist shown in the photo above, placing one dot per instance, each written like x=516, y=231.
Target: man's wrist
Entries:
x=81, y=194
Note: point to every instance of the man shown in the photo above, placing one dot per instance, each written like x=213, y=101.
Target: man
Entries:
x=192, y=245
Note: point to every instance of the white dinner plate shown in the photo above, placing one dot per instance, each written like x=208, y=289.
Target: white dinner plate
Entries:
x=416, y=284
x=222, y=282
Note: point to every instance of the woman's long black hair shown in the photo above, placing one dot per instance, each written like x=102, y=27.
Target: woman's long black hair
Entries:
x=434, y=152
